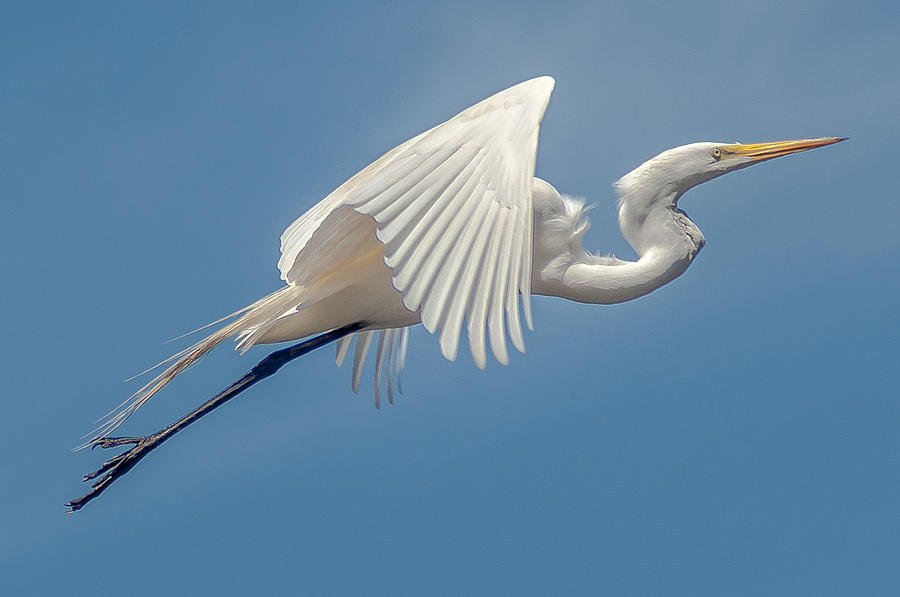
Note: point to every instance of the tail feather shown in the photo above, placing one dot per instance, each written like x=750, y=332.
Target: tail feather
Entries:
x=252, y=321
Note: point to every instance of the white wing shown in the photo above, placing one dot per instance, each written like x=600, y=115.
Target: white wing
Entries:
x=453, y=210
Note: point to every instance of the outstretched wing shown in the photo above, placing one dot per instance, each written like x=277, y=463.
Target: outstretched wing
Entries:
x=453, y=210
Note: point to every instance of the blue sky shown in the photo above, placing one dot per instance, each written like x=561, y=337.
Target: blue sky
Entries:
x=734, y=433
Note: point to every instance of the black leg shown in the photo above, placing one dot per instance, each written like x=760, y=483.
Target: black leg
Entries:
x=117, y=466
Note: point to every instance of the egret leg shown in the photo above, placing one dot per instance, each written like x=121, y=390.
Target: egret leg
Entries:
x=117, y=466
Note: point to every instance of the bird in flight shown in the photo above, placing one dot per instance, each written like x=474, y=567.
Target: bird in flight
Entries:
x=450, y=228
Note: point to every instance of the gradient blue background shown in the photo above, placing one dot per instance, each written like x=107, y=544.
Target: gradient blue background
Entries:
x=735, y=433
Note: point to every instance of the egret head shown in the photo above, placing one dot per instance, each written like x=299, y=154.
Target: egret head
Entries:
x=667, y=176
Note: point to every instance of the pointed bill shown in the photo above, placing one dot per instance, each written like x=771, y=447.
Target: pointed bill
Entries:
x=774, y=149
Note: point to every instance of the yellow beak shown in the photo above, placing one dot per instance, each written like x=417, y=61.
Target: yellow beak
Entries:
x=774, y=149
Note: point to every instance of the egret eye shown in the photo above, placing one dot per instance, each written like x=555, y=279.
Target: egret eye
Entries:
x=716, y=153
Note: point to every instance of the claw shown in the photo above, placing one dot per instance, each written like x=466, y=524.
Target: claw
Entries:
x=113, y=468
x=106, y=466
x=112, y=442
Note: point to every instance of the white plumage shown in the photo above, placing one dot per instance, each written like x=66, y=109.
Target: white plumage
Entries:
x=452, y=227
x=449, y=227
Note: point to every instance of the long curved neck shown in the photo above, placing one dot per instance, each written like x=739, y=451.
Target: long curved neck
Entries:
x=663, y=237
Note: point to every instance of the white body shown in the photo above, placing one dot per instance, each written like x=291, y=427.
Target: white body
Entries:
x=451, y=229
x=368, y=294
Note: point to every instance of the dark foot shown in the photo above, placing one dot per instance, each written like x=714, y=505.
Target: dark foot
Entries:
x=115, y=467
x=112, y=442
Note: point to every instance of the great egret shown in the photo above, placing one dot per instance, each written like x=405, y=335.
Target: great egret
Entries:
x=450, y=226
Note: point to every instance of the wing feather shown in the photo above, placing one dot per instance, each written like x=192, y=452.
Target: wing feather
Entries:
x=496, y=321
x=383, y=342
x=513, y=324
x=393, y=373
x=390, y=358
x=359, y=357
x=477, y=315
x=343, y=347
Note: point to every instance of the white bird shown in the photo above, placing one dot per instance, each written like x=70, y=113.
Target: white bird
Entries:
x=451, y=227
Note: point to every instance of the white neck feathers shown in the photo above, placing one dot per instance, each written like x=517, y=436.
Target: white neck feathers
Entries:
x=663, y=237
